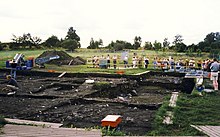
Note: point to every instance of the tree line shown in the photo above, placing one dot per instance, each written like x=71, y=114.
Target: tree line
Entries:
x=27, y=41
x=211, y=43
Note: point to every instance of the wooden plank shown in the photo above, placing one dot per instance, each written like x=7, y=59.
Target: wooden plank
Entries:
x=62, y=74
x=210, y=131
x=173, y=99
x=70, y=62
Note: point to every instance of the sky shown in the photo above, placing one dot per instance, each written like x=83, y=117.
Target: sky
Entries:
x=110, y=20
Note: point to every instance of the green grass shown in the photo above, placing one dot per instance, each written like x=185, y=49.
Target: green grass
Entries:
x=9, y=55
x=87, y=69
x=190, y=110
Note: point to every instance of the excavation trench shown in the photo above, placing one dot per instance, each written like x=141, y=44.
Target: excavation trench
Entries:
x=72, y=101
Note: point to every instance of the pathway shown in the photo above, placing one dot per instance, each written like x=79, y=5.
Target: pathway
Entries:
x=211, y=131
x=44, y=129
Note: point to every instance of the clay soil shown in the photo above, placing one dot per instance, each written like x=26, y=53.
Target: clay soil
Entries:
x=74, y=103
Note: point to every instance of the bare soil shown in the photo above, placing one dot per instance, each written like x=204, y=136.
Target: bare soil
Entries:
x=73, y=102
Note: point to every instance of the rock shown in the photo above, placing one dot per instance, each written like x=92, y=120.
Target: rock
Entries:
x=89, y=81
x=134, y=93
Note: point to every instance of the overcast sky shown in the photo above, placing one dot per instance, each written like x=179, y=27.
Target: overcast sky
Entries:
x=110, y=20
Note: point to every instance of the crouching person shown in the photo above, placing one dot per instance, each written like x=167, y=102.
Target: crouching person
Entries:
x=12, y=85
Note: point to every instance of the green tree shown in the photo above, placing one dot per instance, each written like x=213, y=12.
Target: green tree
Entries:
x=52, y=41
x=119, y=45
x=128, y=45
x=157, y=45
x=178, y=39
x=199, y=52
x=204, y=46
x=148, y=45
x=71, y=34
x=210, y=38
x=166, y=43
x=137, y=42
x=35, y=41
x=1, y=46
x=192, y=47
x=100, y=42
x=24, y=40
x=180, y=47
x=111, y=45
x=215, y=45
x=95, y=44
x=70, y=44
x=16, y=42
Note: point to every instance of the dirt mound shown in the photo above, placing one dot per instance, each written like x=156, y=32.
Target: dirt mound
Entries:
x=64, y=58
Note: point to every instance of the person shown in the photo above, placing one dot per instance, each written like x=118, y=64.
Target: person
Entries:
x=139, y=62
x=199, y=64
x=126, y=61
x=108, y=61
x=12, y=84
x=134, y=61
x=155, y=62
x=192, y=63
x=172, y=63
x=146, y=62
x=114, y=58
x=97, y=61
x=214, y=73
x=13, y=68
x=93, y=61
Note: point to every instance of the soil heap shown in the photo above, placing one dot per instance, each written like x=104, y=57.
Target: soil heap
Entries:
x=65, y=59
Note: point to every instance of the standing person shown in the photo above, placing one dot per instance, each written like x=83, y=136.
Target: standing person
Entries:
x=13, y=68
x=199, y=64
x=97, y=61
x=108, y=61
x=172, y=63
x=155, y=62
x=93, y=61
x=126, y=61
x=214, y=73
x=203, y=65
x=187, y=63
x=139, y=62
x=146, y=62
x=114, y=58
x=134, y=61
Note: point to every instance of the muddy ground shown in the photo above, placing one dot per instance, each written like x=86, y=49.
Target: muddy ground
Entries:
x=73, y=102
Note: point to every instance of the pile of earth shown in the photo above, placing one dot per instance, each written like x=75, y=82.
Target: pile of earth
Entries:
x=64, y=58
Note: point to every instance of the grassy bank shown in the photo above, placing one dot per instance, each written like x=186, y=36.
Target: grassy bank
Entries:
x=190, y=110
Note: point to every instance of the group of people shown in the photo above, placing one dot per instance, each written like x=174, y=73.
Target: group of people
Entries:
x=136, y=61
x=170, y=63
x=143, y=61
